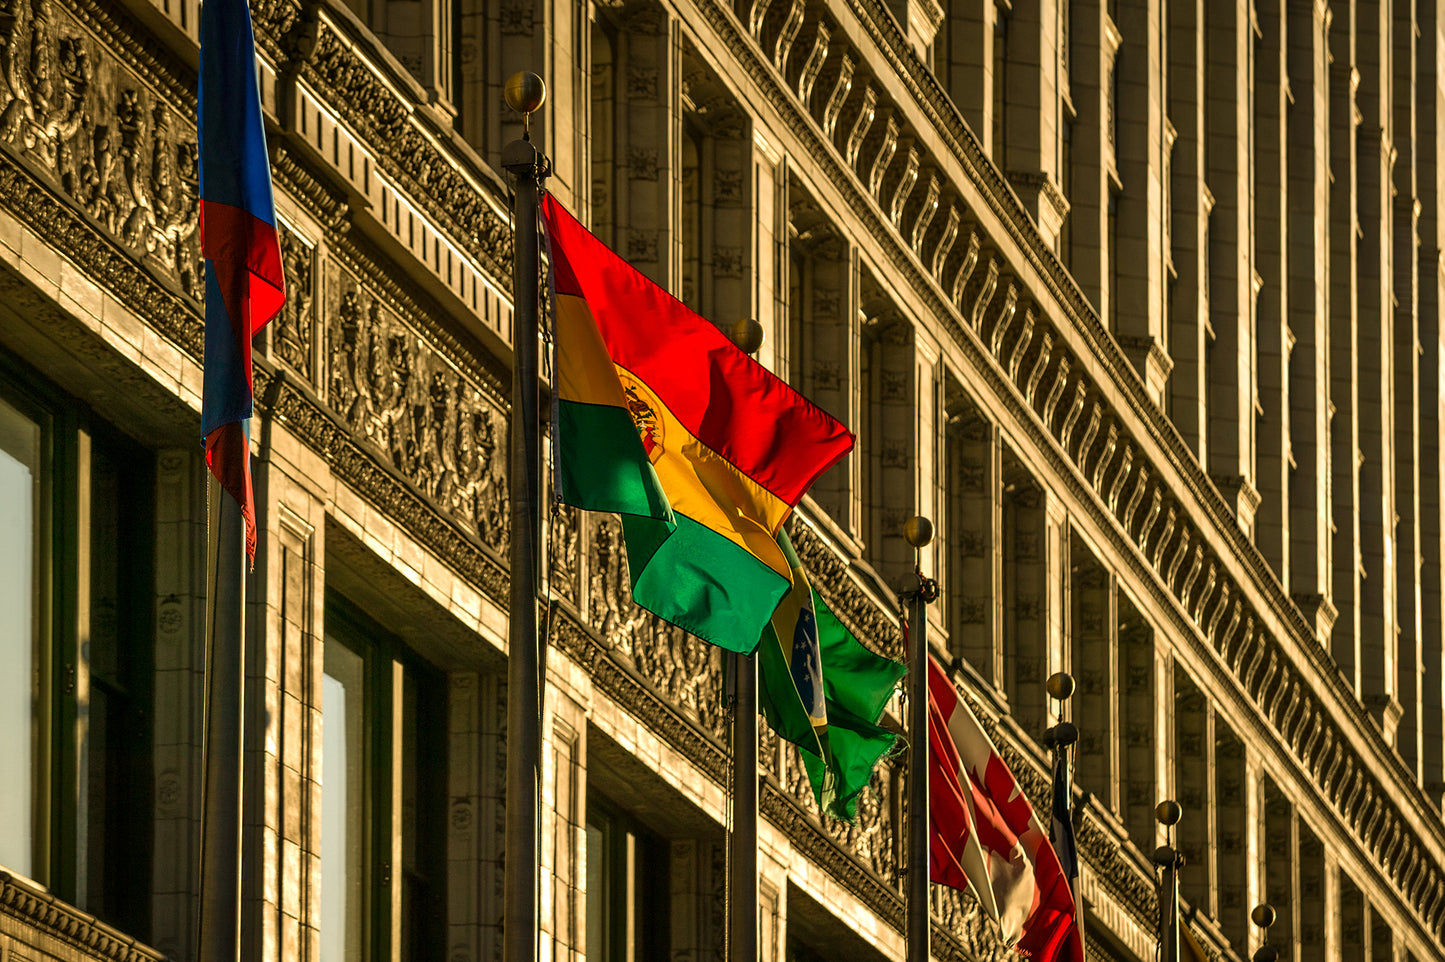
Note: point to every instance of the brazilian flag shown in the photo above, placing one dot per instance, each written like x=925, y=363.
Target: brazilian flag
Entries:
x=822, y=690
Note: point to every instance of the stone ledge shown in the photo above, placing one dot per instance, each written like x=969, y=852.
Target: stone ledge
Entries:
x=52, y=930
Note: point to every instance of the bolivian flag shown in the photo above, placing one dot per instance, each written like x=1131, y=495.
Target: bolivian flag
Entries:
x=822, y=690
x=703, y=452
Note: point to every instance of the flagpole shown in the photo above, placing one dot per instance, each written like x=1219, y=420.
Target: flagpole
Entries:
x=1168, y=858
x=220, y=905
x=1060, y=738
x=918, y=532
x=747, y=335
x=521, y=158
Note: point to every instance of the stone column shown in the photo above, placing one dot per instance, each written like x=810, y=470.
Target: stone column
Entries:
x=1407, y=440
x=1094, y=626
x=281, y=874
x=179, y=693
x=1032, y=94
x=1274, y=340
x=889, y=437
x=973, y=536
x=964, y=61
x=419, y=33
x=1431, y=162
x=1094, y=179
x=1190, y=203
x=1233, y=846
x=1308, y=243
x=1194, y=789
x=1375, y=362
x=1139, y=283
x=1229, y=89
x=1344, y=386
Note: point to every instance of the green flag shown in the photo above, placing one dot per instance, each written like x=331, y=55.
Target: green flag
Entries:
x=822, y=690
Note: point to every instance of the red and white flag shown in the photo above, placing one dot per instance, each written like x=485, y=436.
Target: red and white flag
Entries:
x=986, y=837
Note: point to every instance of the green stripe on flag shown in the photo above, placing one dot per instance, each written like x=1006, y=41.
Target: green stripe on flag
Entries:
x=840, y=757
x=702, y=582
x=605, y=467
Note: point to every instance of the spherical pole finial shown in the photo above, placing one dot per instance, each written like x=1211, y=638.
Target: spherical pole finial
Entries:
x=1060, y=685
x=747, y=335
x=918, y=531
x=525, y=93
x=1263, y=915
x=1168, y=812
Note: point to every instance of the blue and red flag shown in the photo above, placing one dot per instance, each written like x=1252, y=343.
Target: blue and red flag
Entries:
x=244, y=283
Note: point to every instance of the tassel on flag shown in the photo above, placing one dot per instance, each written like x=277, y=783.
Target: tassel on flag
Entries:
x=244, y=283
x=986, y=836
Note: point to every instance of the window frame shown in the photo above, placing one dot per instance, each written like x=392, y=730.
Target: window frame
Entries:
x=383, y=775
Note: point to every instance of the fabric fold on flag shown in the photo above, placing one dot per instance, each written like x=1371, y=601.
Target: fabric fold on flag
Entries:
x=986, y=837
x=659, y=417
x=245, y=287
x=823, y=690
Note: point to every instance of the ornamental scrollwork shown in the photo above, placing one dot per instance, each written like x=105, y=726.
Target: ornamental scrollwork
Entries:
x=101, y=137
x=402, y=399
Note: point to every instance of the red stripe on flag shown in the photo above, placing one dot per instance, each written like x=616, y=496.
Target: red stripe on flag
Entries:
x=728, y=401
x=230, y=235
x=228, y=455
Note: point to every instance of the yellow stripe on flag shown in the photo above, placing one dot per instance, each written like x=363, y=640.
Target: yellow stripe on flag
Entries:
x=584, y=369
x=704, y=485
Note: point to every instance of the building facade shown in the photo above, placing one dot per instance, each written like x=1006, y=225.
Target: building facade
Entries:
x=1139, y=300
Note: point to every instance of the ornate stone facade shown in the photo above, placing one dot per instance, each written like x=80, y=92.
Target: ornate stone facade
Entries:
x=856, y=201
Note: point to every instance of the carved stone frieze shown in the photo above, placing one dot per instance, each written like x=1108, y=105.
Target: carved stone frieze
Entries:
x=401, y=397
x=293, y=332
x=99, y=135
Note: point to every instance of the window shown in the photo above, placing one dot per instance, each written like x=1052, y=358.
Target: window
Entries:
x=383, y=797
x=628, y=917
x=76, y=609
x=22, y=514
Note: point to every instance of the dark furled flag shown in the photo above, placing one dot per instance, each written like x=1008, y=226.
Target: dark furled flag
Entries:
x=244, y=284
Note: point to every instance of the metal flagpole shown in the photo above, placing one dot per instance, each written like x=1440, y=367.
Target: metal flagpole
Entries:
x=521, y=158
x=743, y=864
x=747, y=334
x=1059, y=739
x=1171, y=861
x=220, y=908
x=918, y=532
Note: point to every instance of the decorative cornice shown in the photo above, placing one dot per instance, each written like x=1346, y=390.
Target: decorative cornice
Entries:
x=413, y=160
x=81, y=933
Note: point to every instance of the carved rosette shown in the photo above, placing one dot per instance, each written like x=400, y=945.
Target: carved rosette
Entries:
x=403, y=400
x=99, y=136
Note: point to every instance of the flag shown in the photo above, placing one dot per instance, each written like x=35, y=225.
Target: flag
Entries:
x=659, y=417
x=1062, y=835
x=244, y=285
x=986, y=837
x=822, y=690
x=1063, y=829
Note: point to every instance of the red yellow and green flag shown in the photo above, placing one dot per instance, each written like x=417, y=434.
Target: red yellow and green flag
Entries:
x=703, y=451
x=823, y=690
